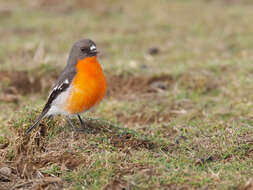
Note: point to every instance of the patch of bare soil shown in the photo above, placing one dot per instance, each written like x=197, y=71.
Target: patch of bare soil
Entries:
x=24, y=83
x=17, y=83
x=128, y=85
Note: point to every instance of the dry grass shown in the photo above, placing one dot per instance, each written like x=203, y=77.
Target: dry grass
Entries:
x=178, y=109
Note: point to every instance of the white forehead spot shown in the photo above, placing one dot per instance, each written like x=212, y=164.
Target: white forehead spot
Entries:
x=92, y=47
x=66, y=81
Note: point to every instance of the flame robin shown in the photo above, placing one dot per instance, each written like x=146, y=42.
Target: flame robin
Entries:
x=80, y=86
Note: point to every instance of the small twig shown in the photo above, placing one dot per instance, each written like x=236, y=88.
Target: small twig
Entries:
x=21, y=185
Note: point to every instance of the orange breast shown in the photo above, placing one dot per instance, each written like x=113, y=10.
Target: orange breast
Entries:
x=88, y=86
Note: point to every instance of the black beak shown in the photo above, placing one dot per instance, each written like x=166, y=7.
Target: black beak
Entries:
x=94, y=52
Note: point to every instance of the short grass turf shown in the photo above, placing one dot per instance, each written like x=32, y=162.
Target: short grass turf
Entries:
x=178, y=110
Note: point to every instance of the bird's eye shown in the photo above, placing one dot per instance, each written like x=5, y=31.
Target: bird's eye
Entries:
x=85, y=49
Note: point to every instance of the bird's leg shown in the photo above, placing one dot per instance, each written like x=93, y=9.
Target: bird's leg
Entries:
x=81, y=122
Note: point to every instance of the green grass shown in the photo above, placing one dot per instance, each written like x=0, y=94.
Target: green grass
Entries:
x=181, y=119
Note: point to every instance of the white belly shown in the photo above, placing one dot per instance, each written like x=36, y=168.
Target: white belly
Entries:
x=58, y=105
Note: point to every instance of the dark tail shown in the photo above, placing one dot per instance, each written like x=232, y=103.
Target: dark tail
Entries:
x=35, y=124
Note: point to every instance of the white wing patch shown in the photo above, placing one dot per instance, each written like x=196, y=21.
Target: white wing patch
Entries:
x=66, y=81
x=57, y=106
x=59, y=86
x=58, y=98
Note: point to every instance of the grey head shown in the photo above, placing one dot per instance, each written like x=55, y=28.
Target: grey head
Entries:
x=82, y=49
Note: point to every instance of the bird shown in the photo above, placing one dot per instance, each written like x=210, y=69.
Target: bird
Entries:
x=80, y=86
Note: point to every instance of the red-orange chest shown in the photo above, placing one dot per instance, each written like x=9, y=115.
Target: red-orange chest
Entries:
x=88, y=86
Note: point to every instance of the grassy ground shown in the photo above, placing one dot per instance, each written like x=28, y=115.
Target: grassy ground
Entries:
x=178, y=110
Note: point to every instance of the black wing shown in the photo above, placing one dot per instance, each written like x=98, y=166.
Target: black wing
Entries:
x=61, y=85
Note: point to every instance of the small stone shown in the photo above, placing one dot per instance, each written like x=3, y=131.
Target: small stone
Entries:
x=153, y=51
x=5, y=171
x=159, y=84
